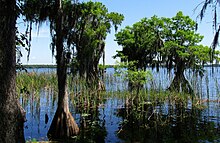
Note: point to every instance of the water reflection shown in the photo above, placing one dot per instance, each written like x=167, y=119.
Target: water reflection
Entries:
x=177, y=124
x=92, y=119
x=40, y=108
x=108, y=120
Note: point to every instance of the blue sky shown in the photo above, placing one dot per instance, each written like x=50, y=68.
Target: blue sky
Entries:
x=133, y=11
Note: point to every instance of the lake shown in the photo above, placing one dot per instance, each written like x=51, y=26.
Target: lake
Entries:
x=113, y=122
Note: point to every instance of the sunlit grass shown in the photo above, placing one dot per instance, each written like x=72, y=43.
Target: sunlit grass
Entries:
x=84, y=96
x=33, y=82
x=152, y=106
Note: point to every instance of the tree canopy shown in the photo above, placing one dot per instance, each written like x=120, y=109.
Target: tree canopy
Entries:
x=88, y=36
x=140, y=42
x=170, y=42
x=78, y=31
x=181, y=43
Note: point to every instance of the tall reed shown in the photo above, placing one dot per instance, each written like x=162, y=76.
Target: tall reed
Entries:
x=34, y=82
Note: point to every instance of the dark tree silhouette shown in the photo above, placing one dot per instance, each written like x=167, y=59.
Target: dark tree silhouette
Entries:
x=11, y=113
x=63, y=125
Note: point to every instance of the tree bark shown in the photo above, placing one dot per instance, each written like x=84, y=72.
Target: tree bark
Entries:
x=12, y=115
x=63, y=125
x=103, y=61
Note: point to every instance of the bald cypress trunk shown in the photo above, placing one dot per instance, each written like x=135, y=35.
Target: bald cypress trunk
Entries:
x=180, y=83
x=11, y=113
x=103, y=59
x=63, y=125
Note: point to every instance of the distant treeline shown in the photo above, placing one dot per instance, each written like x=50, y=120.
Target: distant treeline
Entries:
x=106, y=66
x=39, y=66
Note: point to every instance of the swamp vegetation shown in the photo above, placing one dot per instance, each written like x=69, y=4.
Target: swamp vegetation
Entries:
x=119, y=115
x=84, y=102
x=129, y=99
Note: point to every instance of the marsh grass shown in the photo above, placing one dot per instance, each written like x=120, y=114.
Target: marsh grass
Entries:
x=158, y=112
x=154, y=98
x=85, y=97
x=27, y=83
x=116, y=87
x=153, y=109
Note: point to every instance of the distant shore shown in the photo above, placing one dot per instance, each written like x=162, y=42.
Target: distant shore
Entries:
x=107, y=66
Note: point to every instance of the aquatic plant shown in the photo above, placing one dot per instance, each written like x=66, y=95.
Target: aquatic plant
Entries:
x=33, y=82
x=155, y=112
x=136, y=77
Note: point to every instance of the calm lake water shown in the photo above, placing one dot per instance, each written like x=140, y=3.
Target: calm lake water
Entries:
x=112, y=122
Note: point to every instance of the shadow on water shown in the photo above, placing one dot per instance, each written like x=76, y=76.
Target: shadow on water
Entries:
x=108, y=119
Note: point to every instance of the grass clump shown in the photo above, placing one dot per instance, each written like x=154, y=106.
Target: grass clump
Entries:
x=27, y=83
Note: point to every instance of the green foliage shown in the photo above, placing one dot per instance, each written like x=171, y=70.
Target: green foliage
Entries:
x=181, y=47
x=169, y=41
x=172, y=42
x=116, y=19
x=92, y=25
x=138, y=77
x=32, y=141
x=130, y=73
x=140, y=42
x=27, y=83
x=83, y=30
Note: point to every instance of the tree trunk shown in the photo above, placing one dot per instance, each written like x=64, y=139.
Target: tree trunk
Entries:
x=63, y=125
x=103, y=61
x=12, y=115
x=180, y=83
x=92, y=76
